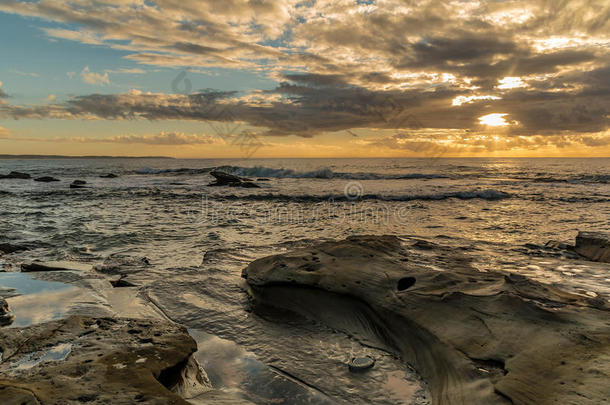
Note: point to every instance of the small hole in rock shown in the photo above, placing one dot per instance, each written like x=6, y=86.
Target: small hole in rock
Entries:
x=405, y=283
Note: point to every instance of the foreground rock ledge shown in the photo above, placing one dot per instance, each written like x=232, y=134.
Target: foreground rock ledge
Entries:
x=88, y=360
x=476, y=338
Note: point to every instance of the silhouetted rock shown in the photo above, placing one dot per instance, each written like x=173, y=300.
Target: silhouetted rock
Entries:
x=78, y=184
x=46, y=179
x=15, y=175
x=11, y=248
x=475, y=337
x=594, y=246
x=109, y=176
x=101, y=361
x=226, y=179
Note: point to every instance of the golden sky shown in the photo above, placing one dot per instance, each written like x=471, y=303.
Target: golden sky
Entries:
x=294, y=78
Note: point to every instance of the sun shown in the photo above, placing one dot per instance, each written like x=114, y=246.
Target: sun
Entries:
x=493, y=120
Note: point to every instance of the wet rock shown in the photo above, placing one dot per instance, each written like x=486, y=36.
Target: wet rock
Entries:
x=553, y=244
x=6, y=317
x=594, y=246
x=96, y=360
x=476, y=338
x=109, y=176
x=357, y=364
x=226, y=179
x=55, y=266
x=122, y=265
x=122, y=282
x=46, y=179
x=15, y=175
x=11, y=248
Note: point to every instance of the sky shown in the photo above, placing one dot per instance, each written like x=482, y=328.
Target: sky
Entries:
x=305, y=78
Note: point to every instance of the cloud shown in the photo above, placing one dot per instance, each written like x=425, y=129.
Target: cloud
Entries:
x=4, y=133
x=94, y=78
x=2, y=93
x=163, y=138
x=21, y=73
x=343, y=64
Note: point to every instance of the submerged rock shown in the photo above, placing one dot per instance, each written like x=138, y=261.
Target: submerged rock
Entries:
x=15, y=175
x=109, y=176
x=55, y=266
x=594, y=246
x=99, y=360
x=46, y=179
x=475, y=337
x=226, y=179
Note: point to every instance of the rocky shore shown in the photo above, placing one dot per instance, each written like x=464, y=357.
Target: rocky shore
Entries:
x=475, y=337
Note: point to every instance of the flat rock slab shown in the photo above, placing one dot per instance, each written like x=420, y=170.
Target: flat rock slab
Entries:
x=594, y=246
x=475, y=337
x=55, y=266
x=98, y=361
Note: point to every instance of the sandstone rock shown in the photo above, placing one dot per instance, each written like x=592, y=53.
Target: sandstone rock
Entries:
x=226, y=179
x=55, y=266
x=99, y=361
x=476, y=338
x=16, y=175
x=46, y=179
x=6, y=317
x=594, y=246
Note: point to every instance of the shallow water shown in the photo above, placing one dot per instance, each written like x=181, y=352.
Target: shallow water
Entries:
x=198, y=239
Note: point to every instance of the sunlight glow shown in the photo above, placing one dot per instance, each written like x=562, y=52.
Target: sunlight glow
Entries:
x=511, y=83
x=493, y=120
x=459, y=100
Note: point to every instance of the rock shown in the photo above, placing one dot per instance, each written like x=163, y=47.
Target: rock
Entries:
x=109, y=176
x=99, y=361
x=226, y=179
x=122, y=265
x=553, y=244
x=16, y=175
x=6, y=317
x=361, y=363
x=122, y=282
x=46, y=179
x=55, y=266
x=78, y=184
x=263, y=180
x=475, y=337
x=10, y=248
x=594, y=246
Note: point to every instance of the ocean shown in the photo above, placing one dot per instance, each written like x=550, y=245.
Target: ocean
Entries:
x=197, y=239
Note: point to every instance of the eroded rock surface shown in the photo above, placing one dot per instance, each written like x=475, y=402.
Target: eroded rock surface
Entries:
x=55, y=266
x=6, y=317
x=88, y=360
x=477, y=338
x=594, y=246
